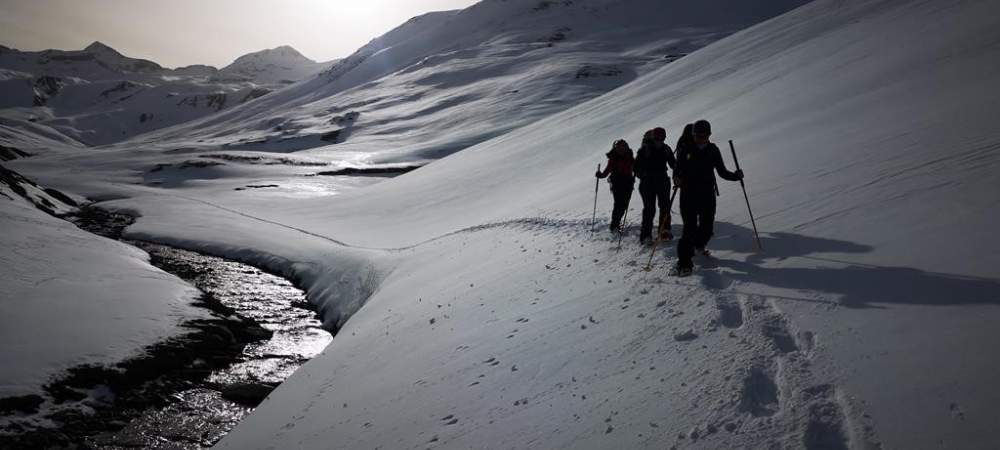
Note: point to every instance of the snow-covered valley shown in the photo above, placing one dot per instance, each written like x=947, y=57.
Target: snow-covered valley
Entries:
x=474, y=306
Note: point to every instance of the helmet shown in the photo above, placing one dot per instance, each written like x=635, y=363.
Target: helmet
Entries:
x=702, y=128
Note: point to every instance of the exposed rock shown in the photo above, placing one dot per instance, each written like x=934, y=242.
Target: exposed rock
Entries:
x=249, y=394
x=11, y=153
x=27, y=404
x=370, y=171
x=46, y=87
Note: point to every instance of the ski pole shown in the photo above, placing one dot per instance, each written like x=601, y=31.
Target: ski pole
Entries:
x=745, y=196
x=597, y=187
x=670, y=205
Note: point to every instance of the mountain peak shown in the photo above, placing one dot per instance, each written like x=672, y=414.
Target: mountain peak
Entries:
x=281, y=53
x=284, y=50
x=98, y=46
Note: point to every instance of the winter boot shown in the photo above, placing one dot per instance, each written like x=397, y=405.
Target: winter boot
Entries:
x=681, y=271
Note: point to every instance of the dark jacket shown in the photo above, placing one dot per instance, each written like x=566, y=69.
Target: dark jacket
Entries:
x=651, y=162
x=696, y=168
x=686, y=138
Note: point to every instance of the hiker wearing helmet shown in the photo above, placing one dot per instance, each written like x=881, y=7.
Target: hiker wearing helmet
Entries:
x=651, y=163
x=697, y=162
x=619, y=169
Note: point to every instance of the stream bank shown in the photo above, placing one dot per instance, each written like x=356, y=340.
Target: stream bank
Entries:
x=187, y=391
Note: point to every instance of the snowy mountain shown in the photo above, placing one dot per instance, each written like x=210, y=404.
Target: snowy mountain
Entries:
x=475, y=308
x=445, y=81
x=280, y=65
x=99, y=96
x=95, y=62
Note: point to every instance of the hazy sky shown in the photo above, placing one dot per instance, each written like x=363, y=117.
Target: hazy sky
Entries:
x=183, y=32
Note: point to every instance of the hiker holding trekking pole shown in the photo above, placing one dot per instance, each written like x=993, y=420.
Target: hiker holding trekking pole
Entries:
x=697, y=162
x=651, y=164
x=619, y=169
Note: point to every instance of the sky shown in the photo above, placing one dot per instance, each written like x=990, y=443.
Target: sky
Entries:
x=177, y=33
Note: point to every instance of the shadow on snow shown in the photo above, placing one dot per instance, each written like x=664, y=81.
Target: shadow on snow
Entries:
x=859, y=285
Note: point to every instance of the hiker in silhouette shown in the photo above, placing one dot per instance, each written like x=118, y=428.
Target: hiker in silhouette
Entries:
x=697, y=163
x=619, y=169
x=686, y=138
x=651, y=164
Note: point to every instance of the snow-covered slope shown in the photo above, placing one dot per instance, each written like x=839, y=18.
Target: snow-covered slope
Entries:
x=493, y=318
x=868, y=317
x=99, y=96
x=444, y=81
x=70, y=298
x=275, y=66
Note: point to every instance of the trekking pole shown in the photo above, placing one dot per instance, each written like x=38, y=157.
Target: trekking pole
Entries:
x=597, y=187
x=659, y=231
x=745, y=196
x=621, y=229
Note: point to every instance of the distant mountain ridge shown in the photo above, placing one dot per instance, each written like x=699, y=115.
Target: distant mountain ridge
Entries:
x=99, y=96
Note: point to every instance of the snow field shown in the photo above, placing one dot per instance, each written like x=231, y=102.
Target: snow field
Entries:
x=561, y=337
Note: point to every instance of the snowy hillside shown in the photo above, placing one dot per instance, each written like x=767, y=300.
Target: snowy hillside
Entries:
x=99, y=96
x=445, y=81
x=475, y=308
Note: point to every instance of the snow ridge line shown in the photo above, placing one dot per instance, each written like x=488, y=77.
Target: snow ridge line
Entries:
x=527, y=222
x=250, y=216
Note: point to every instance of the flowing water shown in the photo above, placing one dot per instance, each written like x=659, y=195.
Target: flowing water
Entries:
x=188, y=391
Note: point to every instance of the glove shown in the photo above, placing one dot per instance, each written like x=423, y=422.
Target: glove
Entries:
x=597, y=174
x=739, y=174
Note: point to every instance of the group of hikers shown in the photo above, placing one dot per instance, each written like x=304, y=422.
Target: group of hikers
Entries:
x=694, y=166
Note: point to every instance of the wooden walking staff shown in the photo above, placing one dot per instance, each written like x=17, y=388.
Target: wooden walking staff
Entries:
x=659, y=232
x=747, y=197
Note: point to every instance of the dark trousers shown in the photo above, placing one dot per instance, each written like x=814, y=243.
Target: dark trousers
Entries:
x=654, y=193
x=621, y=190
x=698, y=214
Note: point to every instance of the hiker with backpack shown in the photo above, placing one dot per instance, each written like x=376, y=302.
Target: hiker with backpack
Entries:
x=619, y=174
x=697, y=162
x=686, y=138
x=651, y=163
